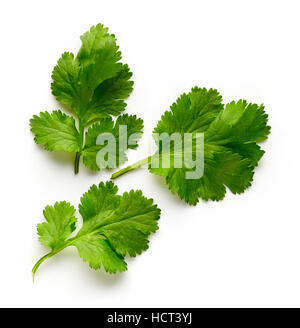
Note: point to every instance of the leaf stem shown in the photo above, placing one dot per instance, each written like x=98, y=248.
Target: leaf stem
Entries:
x=76, y=162
x=40, y=261
x=67, y=243
x=132, y=167
x=78, y=154
x=47, y=256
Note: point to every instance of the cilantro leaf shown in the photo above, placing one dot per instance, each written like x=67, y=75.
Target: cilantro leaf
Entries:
x=229, y=149
x=221, y=168
x=192, y=112
x=61, y=222
x=239, y=122
x=98, y=252
x=56, y=131
x=108, y=97
x=93, y=86
x=98, y=50
x=132, y=134
x=76, y=79
x=65, y=86
x=113, y=227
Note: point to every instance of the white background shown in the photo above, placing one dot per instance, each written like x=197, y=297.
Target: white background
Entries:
x=242, y=251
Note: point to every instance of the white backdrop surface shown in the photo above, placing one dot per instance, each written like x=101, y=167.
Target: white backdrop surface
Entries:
x=242, y=251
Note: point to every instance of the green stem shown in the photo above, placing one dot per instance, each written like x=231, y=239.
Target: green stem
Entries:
x=132, y=167
x=47, y=256
x=69, y=242
x=40, y=261
x=76, y=163
x=78, y=154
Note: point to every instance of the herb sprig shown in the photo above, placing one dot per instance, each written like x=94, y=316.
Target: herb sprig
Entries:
x=92, y=86
x=230, y=152
x=113, y=226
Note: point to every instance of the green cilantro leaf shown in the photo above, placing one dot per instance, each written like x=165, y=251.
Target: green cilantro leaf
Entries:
x=229, y=149
x=56, y=131
x=113, y=227
x=93, y=86
x=116, y=150
x=61, y=222
x=65, y=86
x=108, y=97
x=203, y=106
x=239, y=122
